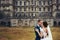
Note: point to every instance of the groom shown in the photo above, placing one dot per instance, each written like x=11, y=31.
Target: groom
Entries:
x=37, y=30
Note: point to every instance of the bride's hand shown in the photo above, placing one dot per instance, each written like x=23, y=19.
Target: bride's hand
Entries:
x=46, y=32
x=41, y=34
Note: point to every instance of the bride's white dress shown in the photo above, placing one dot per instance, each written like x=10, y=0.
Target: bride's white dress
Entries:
x=49, y=37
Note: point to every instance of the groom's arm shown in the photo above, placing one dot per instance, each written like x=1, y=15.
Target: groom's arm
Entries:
x=39, y=33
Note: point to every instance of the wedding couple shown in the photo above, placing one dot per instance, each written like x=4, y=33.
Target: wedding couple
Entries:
x=42, y=31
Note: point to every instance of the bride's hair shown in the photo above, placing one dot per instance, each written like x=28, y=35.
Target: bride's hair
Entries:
x=45, y=24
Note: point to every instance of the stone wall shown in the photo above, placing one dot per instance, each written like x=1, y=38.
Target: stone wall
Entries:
x=28, y=22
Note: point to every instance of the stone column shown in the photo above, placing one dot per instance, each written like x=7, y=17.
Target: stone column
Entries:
x=18, y=3
x=22, y=3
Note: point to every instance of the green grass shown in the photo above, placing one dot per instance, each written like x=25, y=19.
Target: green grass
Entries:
x=21, y=33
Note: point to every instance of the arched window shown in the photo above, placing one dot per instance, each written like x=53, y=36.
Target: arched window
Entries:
x=58, y=23
x=55, y=23
x=20, y=2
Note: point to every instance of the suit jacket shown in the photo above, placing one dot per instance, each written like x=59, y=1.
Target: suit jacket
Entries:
x=37, y=35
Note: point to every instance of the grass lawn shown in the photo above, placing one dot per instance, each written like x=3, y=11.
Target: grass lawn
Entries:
x=21, y=33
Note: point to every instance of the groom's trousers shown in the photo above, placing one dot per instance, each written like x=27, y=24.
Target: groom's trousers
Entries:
x=37, y=38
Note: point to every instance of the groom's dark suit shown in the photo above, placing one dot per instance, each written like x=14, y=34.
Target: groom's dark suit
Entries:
x=37, y=35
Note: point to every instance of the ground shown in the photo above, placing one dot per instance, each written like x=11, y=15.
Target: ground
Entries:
x=24, y=33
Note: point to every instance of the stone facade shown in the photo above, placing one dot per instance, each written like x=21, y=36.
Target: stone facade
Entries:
x=6, y=10
x=56, y=12
x=27, y=12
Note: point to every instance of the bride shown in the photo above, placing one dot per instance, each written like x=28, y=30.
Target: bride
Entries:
x=45, y=32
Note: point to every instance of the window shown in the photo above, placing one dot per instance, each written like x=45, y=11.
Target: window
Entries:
x=20, y=2
x=58, y=15
x=16, y=9
x=44, y=2
x=48, y=9
x=16, y=3
x=39, y=2
x=24, y=8
x=34, y=14
x=25, y=15
x=32, y=1
x=39, y=9
x=48, y=2
x=26, y=24
x=35, y=2
x=31, y=14
x=19, y=15
x=44, y=9
x=24, y=3
x=32, y=8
